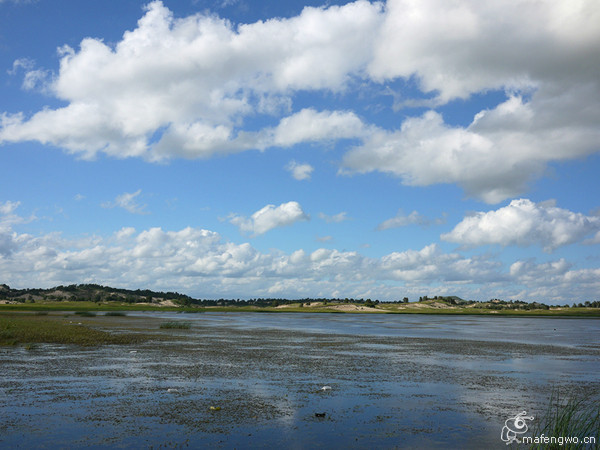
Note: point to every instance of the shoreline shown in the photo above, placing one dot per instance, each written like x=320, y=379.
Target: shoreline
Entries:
x=317, y=309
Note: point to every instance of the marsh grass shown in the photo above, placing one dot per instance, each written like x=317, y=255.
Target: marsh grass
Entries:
x=176, y=325
x=86, y=313
x=32, y=329
x=570, y=417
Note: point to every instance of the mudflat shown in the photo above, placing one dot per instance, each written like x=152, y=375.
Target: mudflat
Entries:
x=255, y=380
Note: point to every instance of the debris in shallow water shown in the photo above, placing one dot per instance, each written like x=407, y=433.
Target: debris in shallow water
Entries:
x=172, y=390
x=326, y=388
x=215, y=408
x=133, y=351
x=320, y=414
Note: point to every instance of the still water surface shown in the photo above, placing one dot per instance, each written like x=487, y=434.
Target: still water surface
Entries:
x=393, y=381
x=532, y=330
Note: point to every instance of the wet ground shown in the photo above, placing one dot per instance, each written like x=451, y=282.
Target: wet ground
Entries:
x=296, y=381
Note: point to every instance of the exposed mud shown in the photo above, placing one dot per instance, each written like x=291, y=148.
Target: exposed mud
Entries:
x=262, y=387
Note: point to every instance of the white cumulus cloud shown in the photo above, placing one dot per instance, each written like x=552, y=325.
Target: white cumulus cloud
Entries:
x=270, y=217
x=191, y=80
x=201, y=263
x=555, y=281
x=456, y=49
x=524, y=223
x=183, y=87
x=300, y=171
x=311, y=125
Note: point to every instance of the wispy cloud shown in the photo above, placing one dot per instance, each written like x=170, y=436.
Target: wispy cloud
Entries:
x=414, y=218
x=324, y=238
x=8, y=207
x=336, y=218
x=9, y=217
x=127, y=201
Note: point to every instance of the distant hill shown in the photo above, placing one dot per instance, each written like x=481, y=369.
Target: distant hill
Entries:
x=92, y=292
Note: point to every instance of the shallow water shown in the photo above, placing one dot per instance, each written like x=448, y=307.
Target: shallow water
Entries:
x=397, y=381
x=533, y=330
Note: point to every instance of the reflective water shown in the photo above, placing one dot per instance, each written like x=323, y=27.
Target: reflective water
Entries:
x=397, y=381
x=532, y=330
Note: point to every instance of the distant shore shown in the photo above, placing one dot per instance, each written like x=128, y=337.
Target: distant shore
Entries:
x=427, y=307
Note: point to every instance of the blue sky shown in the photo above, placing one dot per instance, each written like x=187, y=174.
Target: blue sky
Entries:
x=302, y=149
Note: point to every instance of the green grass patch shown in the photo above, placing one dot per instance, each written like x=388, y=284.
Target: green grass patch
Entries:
x=176, y=325
x=18, y=329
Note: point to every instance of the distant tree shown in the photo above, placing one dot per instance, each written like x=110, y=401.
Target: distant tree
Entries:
x=405, y=300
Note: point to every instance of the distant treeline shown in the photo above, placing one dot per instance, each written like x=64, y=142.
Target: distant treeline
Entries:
x=98, y=293
x=91, y=292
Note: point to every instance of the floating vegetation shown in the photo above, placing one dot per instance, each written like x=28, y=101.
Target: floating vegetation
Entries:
x=115, y=313
x=176, y=325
